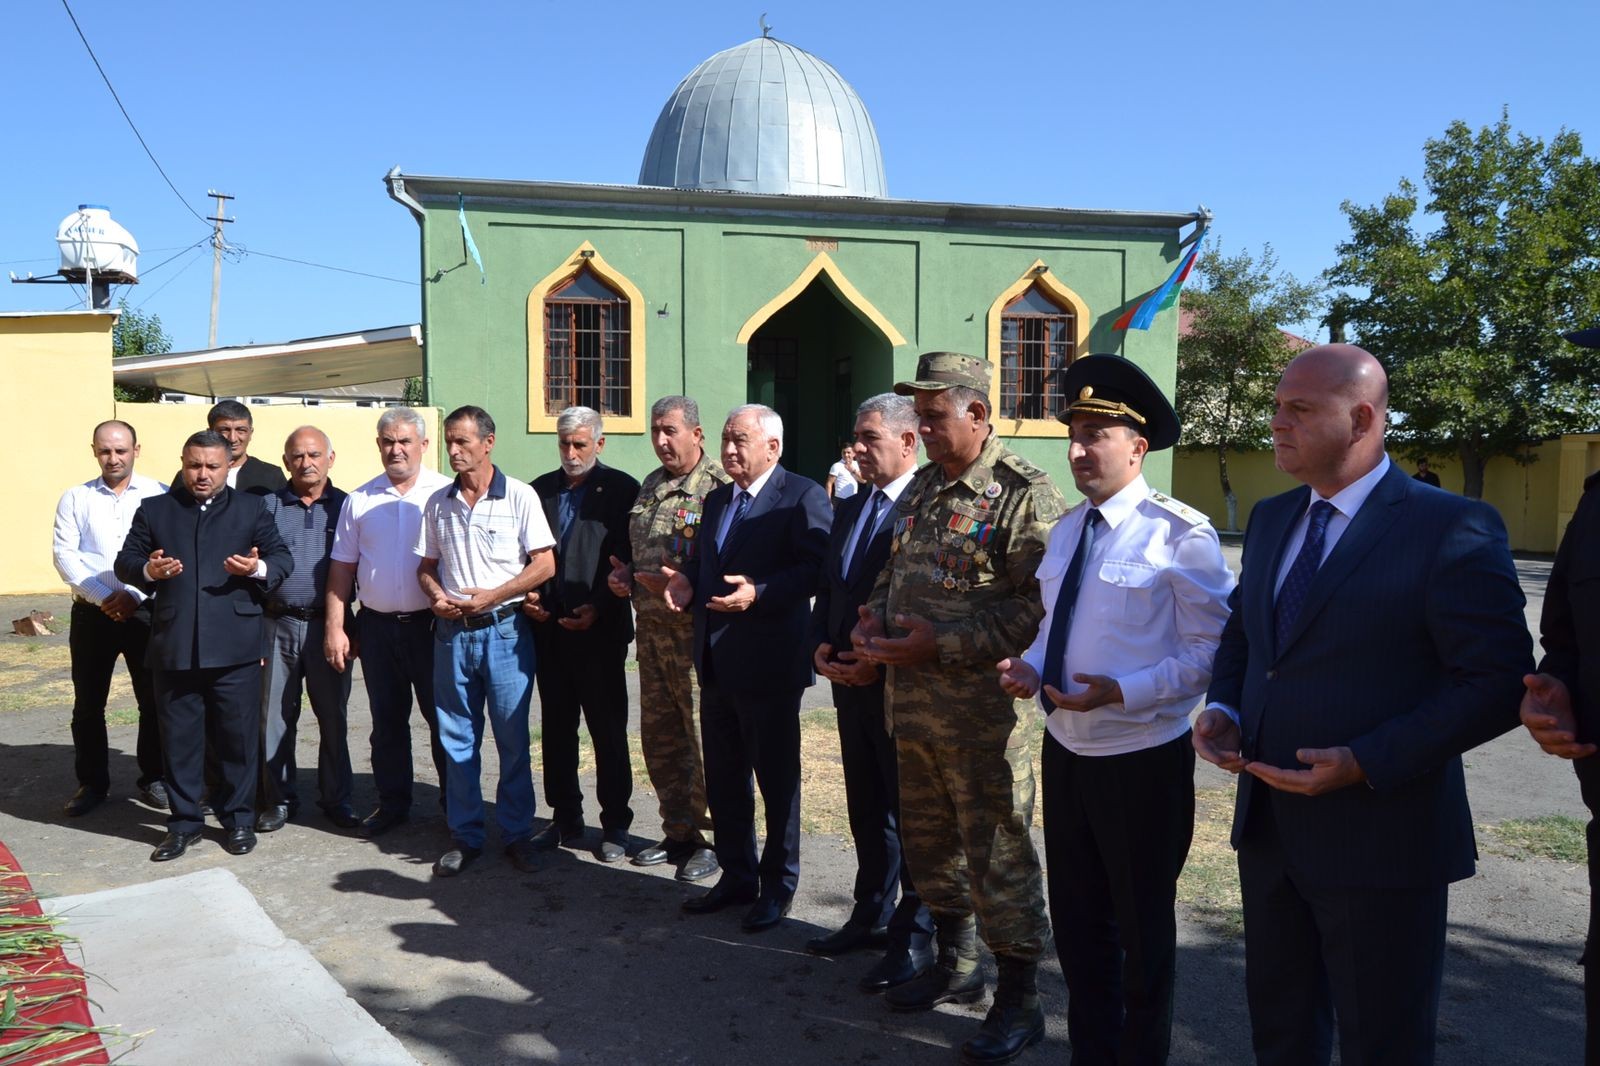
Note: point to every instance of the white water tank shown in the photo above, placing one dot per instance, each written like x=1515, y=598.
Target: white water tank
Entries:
x=91, y=240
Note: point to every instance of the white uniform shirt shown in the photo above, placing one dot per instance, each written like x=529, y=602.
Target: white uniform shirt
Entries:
x=485, y=545
x=733, y=502
x=892, y=490
x=1151, y=606
x=91, y=524
x=377, y=533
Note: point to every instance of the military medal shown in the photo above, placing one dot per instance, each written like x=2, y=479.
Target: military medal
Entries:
x=968, y=547
x=980, y=557
x=964, y=585
x=688, y=531
x=949, y=582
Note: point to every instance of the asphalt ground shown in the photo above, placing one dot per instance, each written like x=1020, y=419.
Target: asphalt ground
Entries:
x=582, y=962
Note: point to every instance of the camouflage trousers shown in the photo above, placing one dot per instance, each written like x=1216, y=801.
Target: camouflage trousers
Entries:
x=667, y=731
x=964, y=817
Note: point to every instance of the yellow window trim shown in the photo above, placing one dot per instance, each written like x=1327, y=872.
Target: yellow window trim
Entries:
x=824, y=265
x=538, y=421
x=1038, y=274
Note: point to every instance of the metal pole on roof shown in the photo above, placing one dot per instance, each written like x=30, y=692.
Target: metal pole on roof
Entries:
x=216, y=259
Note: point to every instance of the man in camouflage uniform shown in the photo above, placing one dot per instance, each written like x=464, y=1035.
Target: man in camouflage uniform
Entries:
x=664, y=529
x=959, y=592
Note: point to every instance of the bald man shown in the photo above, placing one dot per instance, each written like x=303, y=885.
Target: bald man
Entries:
x=1377, y=633
x=306, y=512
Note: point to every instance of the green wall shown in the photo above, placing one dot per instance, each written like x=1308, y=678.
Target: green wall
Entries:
x=711, y=272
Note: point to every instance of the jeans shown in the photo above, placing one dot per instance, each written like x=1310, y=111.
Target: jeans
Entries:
x=477, y=670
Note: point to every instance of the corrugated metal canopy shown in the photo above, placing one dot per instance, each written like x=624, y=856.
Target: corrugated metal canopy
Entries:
x=317, y=365
x=765, y=117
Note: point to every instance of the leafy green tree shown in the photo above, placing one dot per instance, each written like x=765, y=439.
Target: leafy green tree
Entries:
x=1467, y=316
x=1233, y=349
x=137, y=333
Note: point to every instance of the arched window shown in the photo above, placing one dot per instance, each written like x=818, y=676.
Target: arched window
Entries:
x=1038, y=339
x=587, y=347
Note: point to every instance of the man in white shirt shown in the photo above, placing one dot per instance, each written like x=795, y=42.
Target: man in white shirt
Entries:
x=374, y=559
x=485, y=543
x=109, y=619
x=1135, y=593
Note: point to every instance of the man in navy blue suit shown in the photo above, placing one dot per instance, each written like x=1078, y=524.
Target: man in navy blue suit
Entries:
x=208, y=556
x=1377, y=633
x=886, y=450
x=751, y=597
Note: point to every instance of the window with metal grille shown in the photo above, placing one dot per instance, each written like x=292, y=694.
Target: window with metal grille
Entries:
x=1038, y=339
x=586, y=347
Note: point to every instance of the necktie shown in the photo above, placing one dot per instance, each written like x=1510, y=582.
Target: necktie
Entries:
x=1292, y=596
x=872, y=510
x=741, y=505
x=1055, y=648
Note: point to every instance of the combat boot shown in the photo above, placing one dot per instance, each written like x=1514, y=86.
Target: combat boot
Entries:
x=1015, y=1020
x=954, y=978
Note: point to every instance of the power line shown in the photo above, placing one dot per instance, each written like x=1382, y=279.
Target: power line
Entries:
x=127, y=116
x=322, y=266
x=170, y=280
x=151, y=270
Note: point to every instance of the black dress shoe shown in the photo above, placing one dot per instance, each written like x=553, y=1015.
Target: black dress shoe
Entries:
x=558, y=834
x=667, y=850
x=155, y=794
x=342, y=816
x=241, y=840
x=765, y=913
x=380, y=822
x=172, y=845
x=272, y=819
x=851, y=936
x=895, y=969
x=83, y=801
x=457, y=859
x=1007, y=1031
x=699, y=866
x=722, y=895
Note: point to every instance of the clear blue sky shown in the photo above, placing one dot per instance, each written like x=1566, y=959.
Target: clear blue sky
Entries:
x=1270, y=115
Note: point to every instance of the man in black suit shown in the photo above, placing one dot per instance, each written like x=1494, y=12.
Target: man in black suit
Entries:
x=232, y=421
x=1376, y=634
x=581, y=635
x=751, y=597
x=886, y=452
x=1561, y=707
x=208, y=555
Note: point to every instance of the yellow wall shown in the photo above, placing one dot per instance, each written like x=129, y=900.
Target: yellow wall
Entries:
x=163, y=427
x=1535, y=500
x=55, y=387
x=55, y=373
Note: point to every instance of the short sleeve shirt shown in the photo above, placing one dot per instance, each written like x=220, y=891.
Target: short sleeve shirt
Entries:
x=485, y=545
x=377, y=534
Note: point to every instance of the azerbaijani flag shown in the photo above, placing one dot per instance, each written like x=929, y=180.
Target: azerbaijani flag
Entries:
x=1141, y=314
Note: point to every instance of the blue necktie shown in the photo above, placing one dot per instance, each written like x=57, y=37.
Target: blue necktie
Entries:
x=864, y=538
x=741, y=505
x=1292, y=596
x=1055, y=647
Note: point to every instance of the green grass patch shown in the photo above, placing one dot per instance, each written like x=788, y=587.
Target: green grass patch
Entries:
x=1553, y=836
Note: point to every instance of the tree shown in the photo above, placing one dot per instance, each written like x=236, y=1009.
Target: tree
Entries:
x=137, y=333
x=1467, y=318
x=1233, y=349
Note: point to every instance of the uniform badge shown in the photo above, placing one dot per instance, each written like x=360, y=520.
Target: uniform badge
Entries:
x=993, y=490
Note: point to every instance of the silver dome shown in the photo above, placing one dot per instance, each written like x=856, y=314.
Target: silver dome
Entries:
x=765, y=117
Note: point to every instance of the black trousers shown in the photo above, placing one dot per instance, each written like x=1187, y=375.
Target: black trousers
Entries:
x=1371, y=957
x=95, y=643
x=584, y=674
x=1588, y=771
x=224, y=705
x=884, y=894
x=1117, y=830
x=397, y=668
x=753, y=732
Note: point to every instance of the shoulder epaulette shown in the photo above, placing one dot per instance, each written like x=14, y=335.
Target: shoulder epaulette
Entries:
x=1177, y=507
x=1023, y=467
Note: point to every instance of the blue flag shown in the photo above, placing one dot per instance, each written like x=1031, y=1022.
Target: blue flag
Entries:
x=466, y=237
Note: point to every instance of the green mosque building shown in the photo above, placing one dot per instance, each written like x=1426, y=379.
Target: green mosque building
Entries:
x=760, y=258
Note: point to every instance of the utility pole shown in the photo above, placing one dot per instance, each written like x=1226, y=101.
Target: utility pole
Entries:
x=216, y=258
